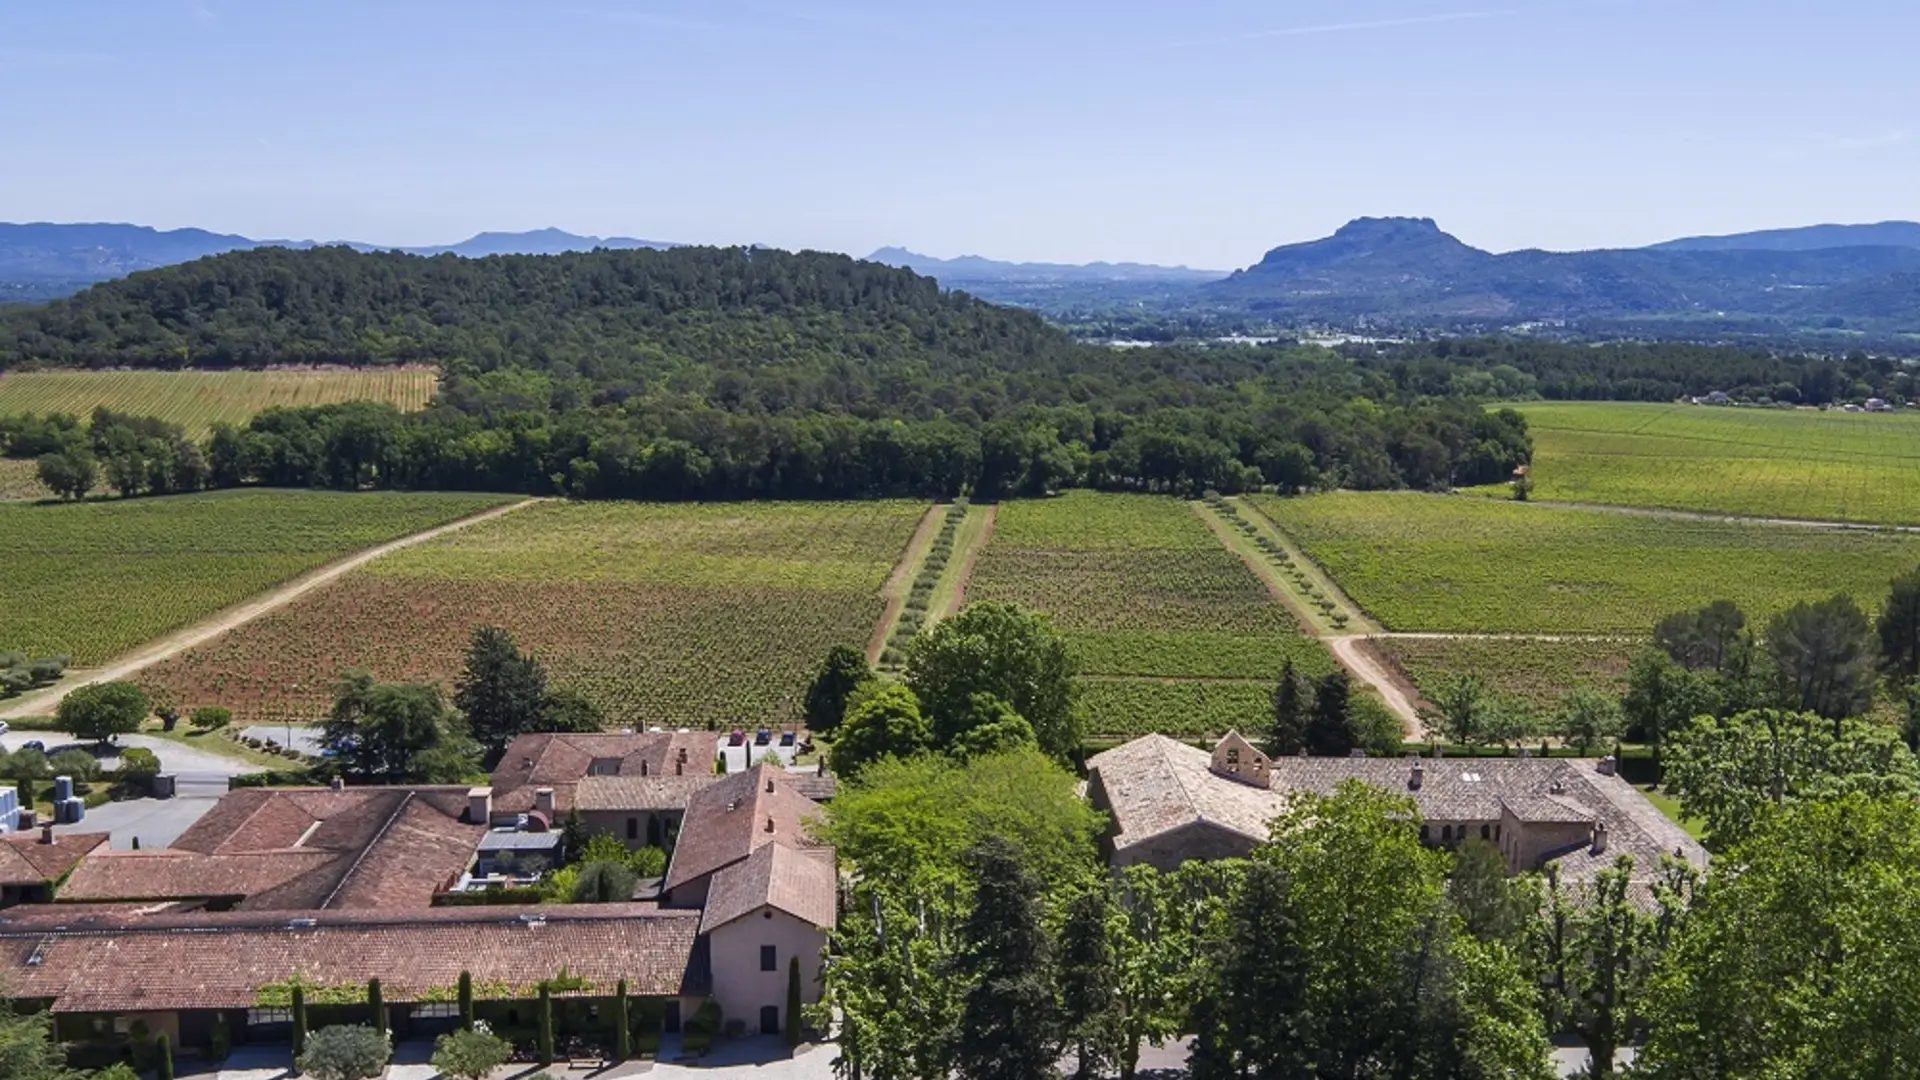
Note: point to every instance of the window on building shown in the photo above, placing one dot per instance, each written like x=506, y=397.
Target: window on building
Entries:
x=256, y=1017
x=633, y=828
x=605, y=766
x=1486, y=832
x=1446, y=834
x=1426, y=833
x=768, y=960
x=769, y=1019
x=436, y=1010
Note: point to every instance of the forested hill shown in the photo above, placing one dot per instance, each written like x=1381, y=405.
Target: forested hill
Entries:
x=602, y=314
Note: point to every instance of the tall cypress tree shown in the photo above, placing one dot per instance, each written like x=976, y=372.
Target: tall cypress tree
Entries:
x=299, y=1022
x=1088, y=977
x=544, y=1035
x=1007, y=1018
x=794, y=1022
x=1259, y=984
x=465, y=995
x=377, y=1004
x=501, y=690
x=622, y=1024
x=1330, y=728
x=1288, y=735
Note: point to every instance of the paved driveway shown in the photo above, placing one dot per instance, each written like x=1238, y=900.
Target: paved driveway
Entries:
x=174, y=757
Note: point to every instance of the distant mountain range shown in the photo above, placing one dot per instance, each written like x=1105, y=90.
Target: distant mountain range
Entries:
x=1407, y=271
x=1374, y=271
x=974, y=268
x=42, y=258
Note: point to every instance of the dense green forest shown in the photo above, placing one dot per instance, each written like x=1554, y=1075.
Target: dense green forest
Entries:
x=728, y=373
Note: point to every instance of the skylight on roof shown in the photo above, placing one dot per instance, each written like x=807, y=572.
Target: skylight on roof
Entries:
x=1470, y=777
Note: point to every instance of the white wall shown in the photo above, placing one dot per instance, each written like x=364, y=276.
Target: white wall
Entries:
x=740, y=986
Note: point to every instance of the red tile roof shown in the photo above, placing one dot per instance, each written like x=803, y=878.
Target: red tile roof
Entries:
x=301, y=848
x=734, y=817
x=800, y=883
x=560, y=760
x=84, y=962
x=25, y=861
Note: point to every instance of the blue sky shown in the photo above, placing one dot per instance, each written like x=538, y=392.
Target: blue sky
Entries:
x=1190, y=131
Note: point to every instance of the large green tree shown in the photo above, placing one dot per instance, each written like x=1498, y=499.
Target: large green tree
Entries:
x=1826, y=654
x=28, y=1050
x=102, y=710
x=1008, y=1017
x=844, y=669
x=1004, y=650
x=1729, y=771
x=1287, y=732
x=1797, y=958
x=396, y=733
x=1089, y=980
x=1711, y=639
x=501, y=690
x=1330, y=724
x=886, y=723
x=1898, y=628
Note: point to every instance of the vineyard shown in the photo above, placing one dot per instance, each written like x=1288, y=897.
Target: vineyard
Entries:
x=1537, y=672
x=680, y=615
x=92, y=580
x=1795, y=463
x=1145, y=592
x=20, y=480
x=196, y=400
x=1437, y=563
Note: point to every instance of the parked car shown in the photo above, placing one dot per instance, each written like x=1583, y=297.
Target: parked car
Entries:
x=736, y=737
x=787, y=737
x=765, y=737
x=3, y=727
x=33, y=744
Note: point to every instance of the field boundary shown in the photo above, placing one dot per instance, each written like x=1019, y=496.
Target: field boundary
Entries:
x=178, y=641
x=900, y=581
x=1718, y=517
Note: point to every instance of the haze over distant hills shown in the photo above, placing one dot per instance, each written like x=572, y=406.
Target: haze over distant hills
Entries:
x=54, y=259
x=1805, y=238
x=976, y=268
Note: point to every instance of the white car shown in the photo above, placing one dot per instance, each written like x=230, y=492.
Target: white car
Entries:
x=3, y=727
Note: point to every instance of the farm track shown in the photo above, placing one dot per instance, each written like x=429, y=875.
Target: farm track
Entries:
x=1719, y=518
x=1353, y=654
x=179, y=641
x=968, y=543
x=900, y=582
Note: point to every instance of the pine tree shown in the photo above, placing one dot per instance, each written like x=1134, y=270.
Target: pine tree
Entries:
x=622, y=1024
x=1088, y=976
x=466, y=1000
x=1259, y=986
x=1288, y=735
x=1007, y=1016
x=844, y=669
x=1330, y=729
x=501, y=690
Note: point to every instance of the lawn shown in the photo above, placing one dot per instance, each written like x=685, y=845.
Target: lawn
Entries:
x=1535, y=672
x=93, y=580
x=1797, y=463
x=196, y=400
x=678, y=615
x=1450, y=563
x=1145, y=591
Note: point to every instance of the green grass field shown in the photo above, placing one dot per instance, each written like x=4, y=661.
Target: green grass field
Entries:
x=93, y=580
x=1143, y=589
x=1795, y=463
x=670, y=614
x=196, y=400
x=1536, y=672
x=1440, y=563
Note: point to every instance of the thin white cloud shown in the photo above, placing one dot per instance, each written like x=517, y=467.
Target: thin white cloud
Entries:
x=649, y=18
x=204, y=14
x=1881, y=141
x=1375, y=24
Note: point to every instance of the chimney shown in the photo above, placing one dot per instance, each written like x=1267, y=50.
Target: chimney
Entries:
x=1607, y=766
x=679, y=767
x=543, y=801
x=643, y=766
x=336, y=785
x=479, y=805
x=769, y=822
x=1599, y=838
x=769, y=783
x=1419, y=775
x=46, y=834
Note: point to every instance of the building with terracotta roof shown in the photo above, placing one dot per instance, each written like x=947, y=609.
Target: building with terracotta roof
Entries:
x=539, y=773
x=1169, y=802
x=299, y=849
x=31, y=864
x=101, y=970
x=768, y=890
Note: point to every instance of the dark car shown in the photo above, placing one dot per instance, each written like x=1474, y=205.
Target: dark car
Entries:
x=736, y=737
x=764, y=737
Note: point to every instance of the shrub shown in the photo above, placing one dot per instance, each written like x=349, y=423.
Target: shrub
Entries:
x=346, y=1053
x=211, y=717
x=75, y=763
x=136, y=763
x=471, y=1055
x=603, y=883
